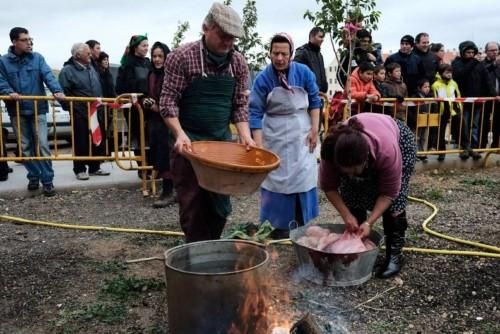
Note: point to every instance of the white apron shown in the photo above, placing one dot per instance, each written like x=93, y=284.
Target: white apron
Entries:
x=285, y=127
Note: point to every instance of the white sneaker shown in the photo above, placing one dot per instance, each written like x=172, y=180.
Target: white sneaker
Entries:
x=82, y=176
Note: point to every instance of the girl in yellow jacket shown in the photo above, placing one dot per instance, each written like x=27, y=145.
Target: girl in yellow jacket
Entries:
x=450, y=112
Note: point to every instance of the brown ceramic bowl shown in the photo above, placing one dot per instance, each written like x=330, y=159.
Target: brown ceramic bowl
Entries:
x=228, y=168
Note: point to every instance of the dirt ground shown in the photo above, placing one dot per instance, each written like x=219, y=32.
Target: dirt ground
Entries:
x=55, y=280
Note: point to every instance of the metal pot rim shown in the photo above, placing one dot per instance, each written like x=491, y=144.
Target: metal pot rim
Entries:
x=169, y=252
x=295, y=232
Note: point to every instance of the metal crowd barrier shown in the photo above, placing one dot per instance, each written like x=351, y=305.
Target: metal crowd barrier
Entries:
x=423, y=116
x=117, y=139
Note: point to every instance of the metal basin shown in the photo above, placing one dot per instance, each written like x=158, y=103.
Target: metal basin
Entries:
x=215, y=287
x=334, y=269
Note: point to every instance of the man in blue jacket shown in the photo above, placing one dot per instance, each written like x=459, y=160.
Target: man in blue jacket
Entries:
x=24, y=72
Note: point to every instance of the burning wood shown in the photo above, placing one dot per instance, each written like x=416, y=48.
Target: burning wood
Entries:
x=306, y=325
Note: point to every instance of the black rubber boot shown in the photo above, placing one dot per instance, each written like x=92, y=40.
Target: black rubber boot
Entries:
x=394, y=229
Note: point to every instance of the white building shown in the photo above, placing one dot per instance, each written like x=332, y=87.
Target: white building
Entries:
x=331, y=77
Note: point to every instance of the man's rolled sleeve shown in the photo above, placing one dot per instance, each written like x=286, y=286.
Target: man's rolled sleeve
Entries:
x=240, y=100
x=173, y=85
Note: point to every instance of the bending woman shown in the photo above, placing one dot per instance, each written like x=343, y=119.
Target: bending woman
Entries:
x=366, y=164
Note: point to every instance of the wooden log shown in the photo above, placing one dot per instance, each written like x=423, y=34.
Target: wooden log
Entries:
x=306, y=325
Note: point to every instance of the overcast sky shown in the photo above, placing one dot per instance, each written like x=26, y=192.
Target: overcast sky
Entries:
x=56, y=25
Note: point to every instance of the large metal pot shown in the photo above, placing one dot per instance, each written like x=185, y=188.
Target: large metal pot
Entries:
x=334, y=269
x=211, y=284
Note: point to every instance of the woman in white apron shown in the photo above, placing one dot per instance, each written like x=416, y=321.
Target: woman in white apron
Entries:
x=284, y=117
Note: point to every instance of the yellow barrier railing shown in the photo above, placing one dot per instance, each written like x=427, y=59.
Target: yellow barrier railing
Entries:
x=476, y=124
x=128, y=154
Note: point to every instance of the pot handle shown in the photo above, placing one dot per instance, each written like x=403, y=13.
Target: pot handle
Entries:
x=145, y=259
x=293, y=224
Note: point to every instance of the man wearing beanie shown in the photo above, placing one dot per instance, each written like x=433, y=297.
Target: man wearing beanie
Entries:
x=206, y=88
x=472, y=79
x=411, y=66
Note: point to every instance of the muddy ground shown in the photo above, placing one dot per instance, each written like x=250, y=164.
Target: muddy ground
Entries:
x=55, y=280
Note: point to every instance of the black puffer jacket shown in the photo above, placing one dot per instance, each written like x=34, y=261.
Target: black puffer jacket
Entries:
x=310, y=55
x=133, y=77
x=470, y=74
x=493, y=71
x=429, y=62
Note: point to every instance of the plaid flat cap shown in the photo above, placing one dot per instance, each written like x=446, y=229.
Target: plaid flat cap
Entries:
x=227, y=19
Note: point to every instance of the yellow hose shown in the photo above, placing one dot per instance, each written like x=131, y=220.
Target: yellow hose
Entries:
x=426, y=222
x=495, y=251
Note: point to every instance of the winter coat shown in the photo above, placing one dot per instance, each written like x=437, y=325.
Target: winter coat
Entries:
x=443, y=89
x=360, y=89
x=411, y=68
x=133, y=77
x=310, y=55
x=493, y=71
x=107, y=83
x=26, y=75
x=472, y=77
x=395, y=89
x=430, y=64
x=79, y=80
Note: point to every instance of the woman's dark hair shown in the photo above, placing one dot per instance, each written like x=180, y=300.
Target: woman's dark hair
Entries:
x=435, y=47
x=345, y=145
x=103, y=55
x=162, y=46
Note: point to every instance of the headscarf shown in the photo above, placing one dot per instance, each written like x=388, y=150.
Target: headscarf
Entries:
x=282, y=75
x=134, y=42
x=165, y=50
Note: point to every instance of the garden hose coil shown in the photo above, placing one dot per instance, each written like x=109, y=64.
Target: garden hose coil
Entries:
x=491, y=251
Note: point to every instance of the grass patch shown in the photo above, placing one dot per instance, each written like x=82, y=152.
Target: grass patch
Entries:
x=434, y=195
x=113, y=302
x=105, y=312
x=480, y=182
x=121, y=287
x=157, y=328
x=383, y=327
x=110, y=267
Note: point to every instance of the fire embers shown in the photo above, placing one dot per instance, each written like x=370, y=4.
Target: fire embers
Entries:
x=253, y=312
x=322, y=239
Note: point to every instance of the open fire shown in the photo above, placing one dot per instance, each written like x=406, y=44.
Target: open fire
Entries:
x=258, y=313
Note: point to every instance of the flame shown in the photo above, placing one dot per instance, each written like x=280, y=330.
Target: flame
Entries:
x=260, y=313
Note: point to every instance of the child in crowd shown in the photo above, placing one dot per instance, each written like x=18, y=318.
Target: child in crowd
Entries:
x=394, y=87
x=446, y=87
x=379, y=78
x=362, y=87
x=423, y=91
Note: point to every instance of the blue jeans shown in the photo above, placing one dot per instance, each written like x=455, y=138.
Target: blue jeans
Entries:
x=34, y=144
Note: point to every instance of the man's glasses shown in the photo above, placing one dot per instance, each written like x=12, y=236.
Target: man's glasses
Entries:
x=24, y=40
